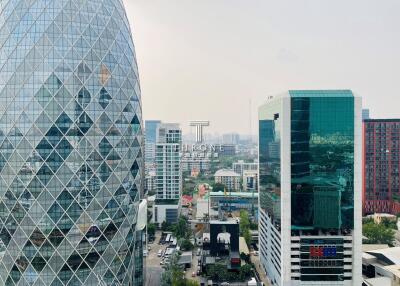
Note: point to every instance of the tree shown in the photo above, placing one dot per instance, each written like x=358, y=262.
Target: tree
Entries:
x=182, y=229
x=245, y=272
x=218, y=187
x=244, y=221
x=245, y=257
x=186, y=245
x=218, y=272
x=245, y=226
x=191, y=283
x=165, y=226
x=378, y=234
x=173, y=274
x=151, y=229
x=247, y=237
x=389, y=223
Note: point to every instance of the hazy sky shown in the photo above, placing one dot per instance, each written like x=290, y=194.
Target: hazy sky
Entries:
x=206, y=59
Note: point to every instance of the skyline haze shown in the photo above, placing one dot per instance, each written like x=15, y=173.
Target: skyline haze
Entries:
x=210, y=58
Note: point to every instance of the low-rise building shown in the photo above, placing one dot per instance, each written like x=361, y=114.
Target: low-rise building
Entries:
x=241, y=166
x=228, y=178
x=187, y=201
x=381, y=261
x=378, y=217
x=233, y=201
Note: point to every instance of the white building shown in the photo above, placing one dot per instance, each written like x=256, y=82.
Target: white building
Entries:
x=240, y=166
x=381, y=265
x=229, y=178
x=168, y=173
x=250, y=181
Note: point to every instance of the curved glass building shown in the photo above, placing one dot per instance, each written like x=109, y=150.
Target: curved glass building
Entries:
x=70, y=144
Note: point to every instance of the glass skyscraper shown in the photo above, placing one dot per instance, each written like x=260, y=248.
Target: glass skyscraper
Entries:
x=310, y=188
x=70, y=144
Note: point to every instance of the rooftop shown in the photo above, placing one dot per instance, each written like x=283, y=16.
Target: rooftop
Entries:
x=235, y=194
x=321, y=93
x=185, y=258
x=226, y=173
x=391, y=255
x=394, y=269
x=381, y=281
x=383, y=120
x=229, y=221
x=371, y=247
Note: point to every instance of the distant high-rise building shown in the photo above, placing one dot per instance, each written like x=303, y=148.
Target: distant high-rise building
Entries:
x=365, y=114
x=71, y=159
x=310, y=189
x=381, y=181
x=150, y=144
x=151, y=130
x=230, y=138
x=168, y=173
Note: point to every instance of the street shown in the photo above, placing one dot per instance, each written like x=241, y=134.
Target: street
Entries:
x=154, y=270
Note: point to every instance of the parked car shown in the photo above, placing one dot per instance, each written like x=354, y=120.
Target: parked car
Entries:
x=198, y=252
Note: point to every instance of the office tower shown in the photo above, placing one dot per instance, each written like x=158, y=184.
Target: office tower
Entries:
x=150, y=144
x=310, y=188
x=168, y=173
x=71, y=145
x=381, y=181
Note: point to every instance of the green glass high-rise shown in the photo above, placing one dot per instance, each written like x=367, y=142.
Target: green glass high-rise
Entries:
x=71, y=145
x=310, y=188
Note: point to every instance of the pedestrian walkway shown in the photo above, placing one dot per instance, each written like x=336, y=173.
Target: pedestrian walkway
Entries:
x=256, y=261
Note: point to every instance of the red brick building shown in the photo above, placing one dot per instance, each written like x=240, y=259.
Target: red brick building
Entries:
x=381, y=162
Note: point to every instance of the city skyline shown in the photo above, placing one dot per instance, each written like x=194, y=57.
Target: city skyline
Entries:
x=188, y=54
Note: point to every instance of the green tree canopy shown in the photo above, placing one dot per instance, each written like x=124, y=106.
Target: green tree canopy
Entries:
x=182, y=228
x=218, y=187
x=378, y=234
x=151, y=229
x=186, y=245
x=245, y=226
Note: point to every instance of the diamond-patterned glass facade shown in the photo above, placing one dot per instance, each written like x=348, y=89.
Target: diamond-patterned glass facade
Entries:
x=70, y=144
